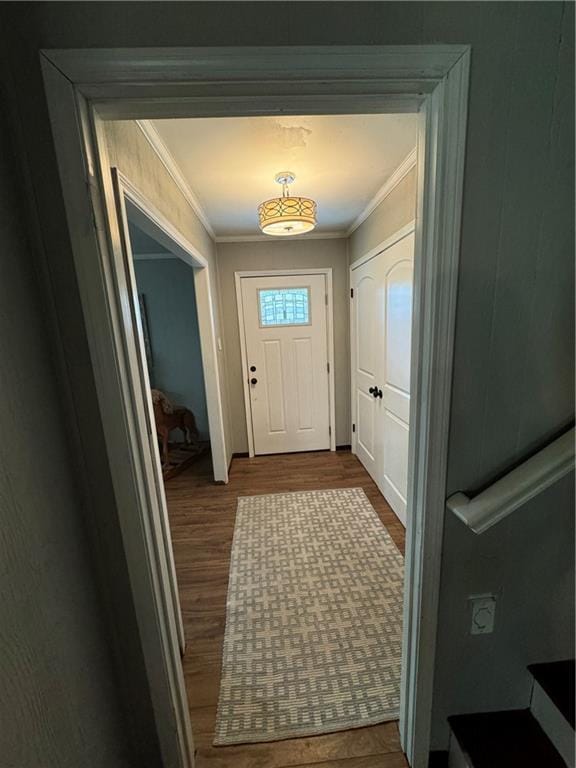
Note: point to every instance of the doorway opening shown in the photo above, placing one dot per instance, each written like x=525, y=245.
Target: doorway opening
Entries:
x=167, y=283
x=168, y=323
x=430, y=81
x=285, y=326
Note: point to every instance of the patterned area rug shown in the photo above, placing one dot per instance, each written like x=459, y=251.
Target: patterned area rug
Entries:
x=314, y=614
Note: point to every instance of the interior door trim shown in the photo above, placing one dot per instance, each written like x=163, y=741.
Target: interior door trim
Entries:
x=84, y=86
x=400, y=234
x=327, y=272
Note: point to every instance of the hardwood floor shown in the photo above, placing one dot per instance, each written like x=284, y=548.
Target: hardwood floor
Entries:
x=202, y=524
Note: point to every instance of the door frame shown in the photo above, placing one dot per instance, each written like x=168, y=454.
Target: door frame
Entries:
x=327, y=272
x=174, y=241
x=400, y=234
x=84, y=87
x=145, y=214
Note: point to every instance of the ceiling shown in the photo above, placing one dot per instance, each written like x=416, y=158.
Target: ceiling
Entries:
x=341, y=161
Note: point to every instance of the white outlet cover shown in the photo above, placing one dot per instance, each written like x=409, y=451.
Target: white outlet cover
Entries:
x=483, y=614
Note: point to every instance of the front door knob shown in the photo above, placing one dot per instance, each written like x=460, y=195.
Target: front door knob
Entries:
x=253, y=381
x=373, y=390
x=253, y=368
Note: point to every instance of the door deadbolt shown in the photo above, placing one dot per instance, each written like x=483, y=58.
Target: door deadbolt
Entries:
x=253, y=381
x=253, y=368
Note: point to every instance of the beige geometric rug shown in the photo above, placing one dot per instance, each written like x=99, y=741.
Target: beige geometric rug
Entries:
x=314, y=618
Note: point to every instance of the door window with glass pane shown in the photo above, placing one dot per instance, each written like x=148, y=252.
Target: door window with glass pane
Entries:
x=283, y=306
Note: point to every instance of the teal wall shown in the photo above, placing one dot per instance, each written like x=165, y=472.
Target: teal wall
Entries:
x=168, y=287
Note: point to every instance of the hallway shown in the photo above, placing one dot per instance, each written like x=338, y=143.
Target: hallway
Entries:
x=202, y=523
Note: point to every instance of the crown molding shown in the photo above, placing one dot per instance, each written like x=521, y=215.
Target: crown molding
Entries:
x=168, y=161
x=403, y=169
x=272, y=239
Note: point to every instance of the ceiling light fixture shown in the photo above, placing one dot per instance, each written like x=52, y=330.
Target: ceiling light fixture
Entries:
x=287, y=215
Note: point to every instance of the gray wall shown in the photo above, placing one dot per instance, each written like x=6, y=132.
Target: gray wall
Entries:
x=514, y=354
x=527, y=561
x=395, y=211
x=303, y=254
x=60, y=702
x=514, y=327
x=168, y=288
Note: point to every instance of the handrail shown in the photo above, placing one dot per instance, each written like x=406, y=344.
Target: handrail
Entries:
x=517, y=487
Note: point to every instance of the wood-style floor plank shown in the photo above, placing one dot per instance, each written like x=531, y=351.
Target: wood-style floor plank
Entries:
x=397, y=760
x=360, y=742
x=202, y=516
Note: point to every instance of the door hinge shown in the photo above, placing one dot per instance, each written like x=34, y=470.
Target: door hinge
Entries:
x=326, y=299
x=351, y=293
x=353, y=427
x=328, y=367
x=329, y=430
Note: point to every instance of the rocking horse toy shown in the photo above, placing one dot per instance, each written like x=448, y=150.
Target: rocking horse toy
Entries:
x=168, y=417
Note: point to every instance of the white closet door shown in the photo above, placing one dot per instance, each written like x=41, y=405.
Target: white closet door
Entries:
x=285, y=328
x=398, y=263
x=382, y=312
x=368, y=331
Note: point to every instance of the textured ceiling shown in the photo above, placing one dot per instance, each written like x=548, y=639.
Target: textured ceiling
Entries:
x=339, y=160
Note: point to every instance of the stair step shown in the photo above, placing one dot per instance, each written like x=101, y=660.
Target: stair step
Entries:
x=552, y=704
x=507, y=739
x=557, y=679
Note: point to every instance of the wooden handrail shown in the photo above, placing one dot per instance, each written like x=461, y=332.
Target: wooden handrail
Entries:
x=517, y=487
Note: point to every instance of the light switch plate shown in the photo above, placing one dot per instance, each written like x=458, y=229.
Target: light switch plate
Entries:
x=483, y=614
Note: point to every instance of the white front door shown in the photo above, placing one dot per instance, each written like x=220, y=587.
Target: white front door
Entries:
x=381, y=327
x=285, y=331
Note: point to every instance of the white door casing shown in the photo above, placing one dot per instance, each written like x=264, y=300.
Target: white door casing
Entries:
x=133, y=327
x=142, y=212
x=286, y=367
x=84, y=86
x=381, y=357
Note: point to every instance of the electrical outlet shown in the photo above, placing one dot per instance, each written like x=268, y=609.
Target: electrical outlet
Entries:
x=483, y=614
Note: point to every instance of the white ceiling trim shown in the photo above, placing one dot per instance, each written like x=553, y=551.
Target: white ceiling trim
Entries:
x=271, y=238
x=403, y=169
x=167, y=159
x=171, y=166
